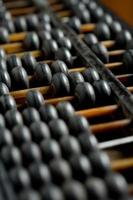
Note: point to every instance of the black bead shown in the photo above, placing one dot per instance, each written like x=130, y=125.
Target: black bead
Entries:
x=75, y=24
x=3, y=65
x=31, y=41
x=58, y=128
x=21, y=135
x=29, y=62
x=9, y=26
x=4, y=36
x=7, y=102
x=97, y=13
x=96, y=189
x=34, y=99
x=100, y=163
x=85, y=94
x=101, y=51
x=115, y=28
x=64, y=55
x=5, y=78
x=44, y=17
x=52, y=192
x=20, y=24
x=90, y=75
x=69, y=146
x=29, y=195
x=49, y=48
x=12, y=62
x=5, y=135
x=74, y=190
x=102, y=31
x=84, y=16
x=65, y=42
x=88, y=142
x=31, y=153
x=128, y=59
x=123, y=38
x=3, y=89
x=59, y=66
x=90, y=39
x=48, y=112
x=57, y=34
x=39, y=131
x=30, y=115
x=20, y=78
x=107, y=18
x=2, y=53
x=65, y=110
x=50, y=150
x=60, y=84
x=40, y=174
x=60, y=171
x=44, y=35
x=32, y=22
x=43, y=73
x=44, y=26
x=13, y=118
x=75, y=78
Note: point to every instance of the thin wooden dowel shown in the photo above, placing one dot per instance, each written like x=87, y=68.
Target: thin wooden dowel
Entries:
x=64, y=13
x=58, y=7
x=116, y=52
x=22, y=11
x=122, y=164
x=55, y=101
x=115, y=65
x=16, y=37
x=16, y=4
x=85, y=28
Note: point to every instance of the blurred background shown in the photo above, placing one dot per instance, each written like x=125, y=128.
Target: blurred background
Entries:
x=123, y=8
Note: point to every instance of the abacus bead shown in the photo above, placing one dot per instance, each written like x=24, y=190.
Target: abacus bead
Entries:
x=85, y=94
x=29, y=195
x=49, y=48
x=74, y=190
x=115, y=28
x=5, y=136
x=5, y=78
x=97, y=14
x=13, y=118
x=50, y=150
x=40, y=174
x=31, y=41
x=57, y=33
x=4, y=36
x=90, y=39
x=81, y=167
x=3, y=89
x=102, y=31
x=48, y=112
x=60, y=84
x=123, y=38
x=20, y=178
x=65, y=110
x=39, y=131
x=21, y=135
x=64, y=55
x=75, y=23
x=29, y=62
x=3, y=65
x=44, y=26
x=2, y=121
x=31, y=153
x=128, y=59
x=12, y=62
x=32, y=22
x=96, y=189
x=20, y=24
x=10, y=26
x=20, y=78
x=7, y=102
x=2, y=53
x=43, y=73
x=58, y=128
x=90, y=75
x=101, y=51
x=69, y=146
x=11, y=156
x=34, y=99
x=44, y=17
x=52, y=192
x=88, y=142
x=44, y=35
x=30, y=115
x=75, y=78
x=117, y=186
x=100, y=163
x=59, y=66
x=107, y=18
x=65, y=42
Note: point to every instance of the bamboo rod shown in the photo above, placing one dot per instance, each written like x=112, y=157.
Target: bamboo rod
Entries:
x=122, y=164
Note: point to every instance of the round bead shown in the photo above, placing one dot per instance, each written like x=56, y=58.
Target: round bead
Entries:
x=7, y=102
x=64, y=55
x=12, y=62
x=115, y=28
x=90, y=39
x=65, y=42
x=44, y=17
x=20, y=78
x=44, y=26
x=75, y=78
x=13, y=118
x=60, y=84
x=5, y=78
x=58, y=128
x=123, y=38
x=3, y=65
x=57, y=34
x=31, y=41
x=39, y=131
x=52, y=192
x=85, y=94
x=5, y=135
x=4, y=36
x=49, y=48
x=9, y=26
x=101, y=51
x=20, y=24
x=128, y=59
x=97, y=13
x=32, y=22
x=44, y=35
x=30, y=115
x=29, y=195
x=2, y=122
x=90, y=75
x=2, y=53
x=59, y=66
x=3, y=89
x=48, y=112
x=29, y=62
x=102, y=31
x=75, y=23
x=107, y=18
x=34, y=99
x=50, y=150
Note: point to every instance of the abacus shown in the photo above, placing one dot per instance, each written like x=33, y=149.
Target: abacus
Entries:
x=66, y=104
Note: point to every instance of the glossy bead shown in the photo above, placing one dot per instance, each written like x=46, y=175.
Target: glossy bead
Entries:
x=88, y=142
x=48, y=112
x=3, y=89
x=30, y=115
x=20, y=24
x=84, y=16
x=3, y=65
x=34, y=99
x=50, y=150
x=52, y=192
x=40, y=174
x=7, y=102
x=59, y=66
x=85, y=94
x=49, y=48
x=64, y=55
x=69, y=146
x=31, y=41
x=60, y=84
x=21, y=135
x=29, y=62
x=97, y=13
x=5, y=136
x=107, y=18
x=2, y=53
x=44, y=35
x=57, y=34
x=31, y=153
x=101, y=52
x=90, y=39
x=44, y=26
x=32, y=22
x=29, y=195
x=96, y=189
x=43, y=73
x=20, y=78
x=13, y=118
x=58, y=128
x=65, y=42
x=123, y=38
x=9, y=26
x=12, y=62
x=115, y=28
x=75, y=78
x=75, y=24
x=74, y=190
x=39, y=131
x=65, y=110
x=5, y=78
x=4, y=36
x=100, y=163
x=44, y=17
x=102, y=31
x=128, y=59
x=90, y=75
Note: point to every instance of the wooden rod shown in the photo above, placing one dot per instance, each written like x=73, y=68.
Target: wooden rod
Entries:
x=22, y=11
x=122, y=164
